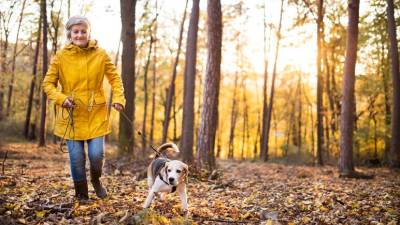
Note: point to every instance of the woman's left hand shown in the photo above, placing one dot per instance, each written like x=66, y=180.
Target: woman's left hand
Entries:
x=118, y=107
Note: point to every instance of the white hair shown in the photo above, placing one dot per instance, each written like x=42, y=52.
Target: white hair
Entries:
x=75, y=20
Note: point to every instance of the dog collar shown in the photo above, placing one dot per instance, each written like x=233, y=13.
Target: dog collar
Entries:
x=173, y=187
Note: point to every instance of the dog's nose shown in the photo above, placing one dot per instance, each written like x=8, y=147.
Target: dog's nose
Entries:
x=171, y=179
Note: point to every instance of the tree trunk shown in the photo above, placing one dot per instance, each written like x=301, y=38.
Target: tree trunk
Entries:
x=346, y=165
x=209, y=114
x=276, y=132
x=154, y=77
x=320, y=125
x=199, y=107
x=55, y=24
x=5, y=22
x=256, y=138
x=116, y=59
x=394, y=55
x=11, y=85
x=219, y=148
x=245, y=133
x=310, y=107
x=174, y=110
x=126, y=127
x=263, y=138
x=234, y=114
x=4, y=72
x=190, y=85
x=146, y=69
x=33, y=82
x=171, y=90
x=42, y=131
x=299, y=118
x=272, y=93
x=385, y=78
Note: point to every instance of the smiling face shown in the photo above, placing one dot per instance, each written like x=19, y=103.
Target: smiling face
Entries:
x=176, y=172
x=80, y=35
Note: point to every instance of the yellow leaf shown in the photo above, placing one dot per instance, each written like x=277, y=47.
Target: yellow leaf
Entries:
x=323, y=209
x=355, y=205
x=9, y=206
x=269, y=222
x=40, y=214
x=376, y=209
x=305, y=219
x=245, y=216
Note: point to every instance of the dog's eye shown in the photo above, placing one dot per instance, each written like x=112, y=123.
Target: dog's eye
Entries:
x=169, y=170
x=178, y=171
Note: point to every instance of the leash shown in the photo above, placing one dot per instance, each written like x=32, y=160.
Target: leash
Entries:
x=140, y=133
x=71, y=122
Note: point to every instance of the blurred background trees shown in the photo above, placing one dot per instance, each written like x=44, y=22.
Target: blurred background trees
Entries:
x=281, y=80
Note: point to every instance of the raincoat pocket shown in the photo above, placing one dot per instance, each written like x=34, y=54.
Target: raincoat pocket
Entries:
x=100, y=108
x=80, y=113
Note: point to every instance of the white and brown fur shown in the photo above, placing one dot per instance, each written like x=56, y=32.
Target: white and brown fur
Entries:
x=164, y=175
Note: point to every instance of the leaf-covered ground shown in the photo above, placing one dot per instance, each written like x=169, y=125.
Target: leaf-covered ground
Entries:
x=36, y=189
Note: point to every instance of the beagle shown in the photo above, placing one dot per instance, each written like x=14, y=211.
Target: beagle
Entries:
x=164, y=175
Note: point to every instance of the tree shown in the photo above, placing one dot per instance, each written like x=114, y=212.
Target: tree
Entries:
x=171, y=90
x=320, y=125
x=263, y=138
x=272, y=91
x=234, y=115
x=209, y=114
x=146, y=69
x=33, y=81
x=55, y=26
x=189, y=85
x=5, y=17
x=245, y=128
x=154, y=78
x=394, y=55
x=11, y=85
x=346, y=165
x=126, y=123
x=42, y=130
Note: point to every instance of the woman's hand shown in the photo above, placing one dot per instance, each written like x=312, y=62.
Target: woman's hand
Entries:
x=118, y=107
x=68, y=103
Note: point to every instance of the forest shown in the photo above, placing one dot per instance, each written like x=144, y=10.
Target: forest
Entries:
x=285, y=111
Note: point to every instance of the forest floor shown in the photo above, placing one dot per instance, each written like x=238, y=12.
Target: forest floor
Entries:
x=35, y=188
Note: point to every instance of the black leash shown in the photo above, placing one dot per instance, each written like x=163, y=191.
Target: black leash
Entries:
x=70, y=112
x=71, y=121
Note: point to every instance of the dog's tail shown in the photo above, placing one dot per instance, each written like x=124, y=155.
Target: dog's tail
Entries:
x=168, y=146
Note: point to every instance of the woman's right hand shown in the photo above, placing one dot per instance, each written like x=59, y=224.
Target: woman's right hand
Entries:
x=68, y=103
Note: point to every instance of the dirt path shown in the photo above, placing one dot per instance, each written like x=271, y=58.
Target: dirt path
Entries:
x=36, y=189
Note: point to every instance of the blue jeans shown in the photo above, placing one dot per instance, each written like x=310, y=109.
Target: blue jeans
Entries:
x=77, y=158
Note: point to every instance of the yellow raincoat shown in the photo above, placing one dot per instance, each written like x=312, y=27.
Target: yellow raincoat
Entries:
x=81, y=71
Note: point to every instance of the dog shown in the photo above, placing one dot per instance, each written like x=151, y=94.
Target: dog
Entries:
x=165, y=175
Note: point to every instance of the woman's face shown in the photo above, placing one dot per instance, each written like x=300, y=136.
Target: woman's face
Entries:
x=80, y=35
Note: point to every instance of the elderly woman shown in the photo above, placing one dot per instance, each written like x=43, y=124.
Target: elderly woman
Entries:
x=81, y=111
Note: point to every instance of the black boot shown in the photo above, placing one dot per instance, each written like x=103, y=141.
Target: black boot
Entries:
x=101, y=192
x=81, y=191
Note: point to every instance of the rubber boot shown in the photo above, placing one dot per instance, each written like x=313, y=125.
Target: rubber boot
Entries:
x=81, y=191
x=101, y=192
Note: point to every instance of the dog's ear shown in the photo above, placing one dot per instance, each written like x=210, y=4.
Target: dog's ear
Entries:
x=166, y=170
